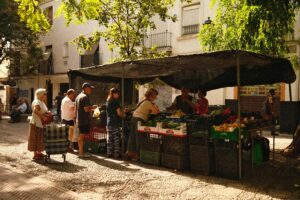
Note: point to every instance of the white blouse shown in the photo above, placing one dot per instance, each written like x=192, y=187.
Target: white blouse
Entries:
x=35, y=118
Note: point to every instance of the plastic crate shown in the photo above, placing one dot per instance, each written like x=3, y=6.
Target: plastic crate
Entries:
x=150, y=141
x=175, y=161
x=144, y=127
x=231, y=136
x=175, y=145
x=96, y=134
x=150, y=157
x=226, y=159
x=202, y=159
x=181, y=132
x=200, y=141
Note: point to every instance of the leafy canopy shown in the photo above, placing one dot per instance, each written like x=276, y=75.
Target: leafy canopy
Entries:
x=122, y=23
x=254, y=25
x=17, y=42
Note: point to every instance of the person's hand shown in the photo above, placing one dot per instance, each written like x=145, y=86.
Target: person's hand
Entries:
x=126, y=110
x=94, y=107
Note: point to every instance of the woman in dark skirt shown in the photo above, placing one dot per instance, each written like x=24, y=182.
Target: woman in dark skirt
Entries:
x=141, y=113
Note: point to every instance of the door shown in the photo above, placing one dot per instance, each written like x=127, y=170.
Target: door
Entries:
x=49, y=87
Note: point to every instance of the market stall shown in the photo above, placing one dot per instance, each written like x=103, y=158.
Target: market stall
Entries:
x=208, y=71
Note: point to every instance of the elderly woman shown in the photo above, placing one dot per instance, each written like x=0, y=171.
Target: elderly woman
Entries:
x=36, y=132
x=141, y=113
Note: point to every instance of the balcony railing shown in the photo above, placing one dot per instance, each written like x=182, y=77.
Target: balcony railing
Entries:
x=89, y=60
x=160, y=40
x=191, y=29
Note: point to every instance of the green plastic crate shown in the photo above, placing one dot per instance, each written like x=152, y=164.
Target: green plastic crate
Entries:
x=231, y=136
x=257, y=153
x=92, y=147
x=149, y=157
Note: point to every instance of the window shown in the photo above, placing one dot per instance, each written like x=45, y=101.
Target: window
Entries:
x=190, y=19
x=66, y=50
x=49, y=14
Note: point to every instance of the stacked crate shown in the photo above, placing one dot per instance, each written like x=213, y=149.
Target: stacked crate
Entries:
x=96, y=141
x=201, y=148
x=149, y=144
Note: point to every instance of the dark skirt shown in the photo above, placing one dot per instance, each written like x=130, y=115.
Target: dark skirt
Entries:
x=36, y=138
x=133, y=142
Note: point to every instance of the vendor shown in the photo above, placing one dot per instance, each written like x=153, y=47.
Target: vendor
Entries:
x=141, y=113
x=183, y=102
x=201, y=107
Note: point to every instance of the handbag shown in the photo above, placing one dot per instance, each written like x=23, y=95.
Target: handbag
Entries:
x=48, y=120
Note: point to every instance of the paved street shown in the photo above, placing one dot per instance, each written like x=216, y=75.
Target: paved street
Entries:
x=102, y=178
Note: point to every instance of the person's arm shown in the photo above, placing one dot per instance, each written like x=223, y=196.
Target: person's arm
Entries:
x=37, y=111
x=87, y=107
x=154, y=109
x=190, y=103
x=120, y=113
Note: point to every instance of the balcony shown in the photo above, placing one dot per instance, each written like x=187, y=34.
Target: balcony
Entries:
x=89, y=60
x=191, y=29
x=160, y=40
x=46, y=65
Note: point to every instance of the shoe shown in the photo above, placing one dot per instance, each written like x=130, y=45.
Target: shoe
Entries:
x=70, y=150
x=84, y=156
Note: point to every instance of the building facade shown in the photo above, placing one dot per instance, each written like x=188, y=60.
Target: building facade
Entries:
x=180, y=37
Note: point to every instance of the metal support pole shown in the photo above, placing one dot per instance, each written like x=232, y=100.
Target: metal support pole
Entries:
x=239, y=110
x=123, y=106
x=290, y=92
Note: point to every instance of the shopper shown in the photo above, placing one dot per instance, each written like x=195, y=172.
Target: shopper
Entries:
x=201, y=107
x=114, y=117
x=83, y=115
x=141, y=113
x=58, y=99
x=183, y=102
x=268, y=113
x=20, y=108
x=36, y=131
x=68, y=114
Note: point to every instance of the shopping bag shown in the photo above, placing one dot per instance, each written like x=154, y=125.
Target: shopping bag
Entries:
x=76, y=133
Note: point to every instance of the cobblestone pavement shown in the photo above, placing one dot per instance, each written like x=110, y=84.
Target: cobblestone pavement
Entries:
x=101, y=178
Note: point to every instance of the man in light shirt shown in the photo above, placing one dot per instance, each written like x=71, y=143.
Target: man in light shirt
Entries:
x=68, y=113
x=19, y=109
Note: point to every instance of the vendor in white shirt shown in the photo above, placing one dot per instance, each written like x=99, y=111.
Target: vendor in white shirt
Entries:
x=19, y=109
x=68, y=113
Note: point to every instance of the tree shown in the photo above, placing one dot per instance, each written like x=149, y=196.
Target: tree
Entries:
x=125, y=22
x=258, y=26
x=17, y=42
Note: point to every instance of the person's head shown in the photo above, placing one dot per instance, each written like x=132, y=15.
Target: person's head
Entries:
x=19, y=101
x=114, y=93
x=87, y=88
x=41, y=94
x=60, y=93
x=185, y=92
x=151, y=94
x=201, y=93
x=71, y=94
x=272, y=92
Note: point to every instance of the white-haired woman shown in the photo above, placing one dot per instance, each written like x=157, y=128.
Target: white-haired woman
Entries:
x=36, y=131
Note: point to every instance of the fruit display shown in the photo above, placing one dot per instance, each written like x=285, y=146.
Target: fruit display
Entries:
x=228, y=127
x=171, y=125
x=177, y=114
x=151, y=123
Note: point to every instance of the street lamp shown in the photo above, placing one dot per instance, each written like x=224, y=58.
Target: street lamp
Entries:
x=207, y=22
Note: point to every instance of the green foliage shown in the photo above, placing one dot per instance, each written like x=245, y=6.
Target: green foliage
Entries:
x=125, y=22
x=32, y=15
x=253, y=25
x=17, y=42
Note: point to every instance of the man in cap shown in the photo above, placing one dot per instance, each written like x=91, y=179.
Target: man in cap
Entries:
x=83, y=109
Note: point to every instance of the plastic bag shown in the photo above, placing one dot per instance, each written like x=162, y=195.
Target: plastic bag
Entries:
x=96, y=113
x=75, y=133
